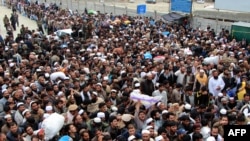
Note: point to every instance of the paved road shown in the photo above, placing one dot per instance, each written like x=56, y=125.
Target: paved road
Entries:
x=22, y=20
x=114, y=6
x=122, y=6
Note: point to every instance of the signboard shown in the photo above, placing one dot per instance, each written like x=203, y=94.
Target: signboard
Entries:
x=141, y=9
x=183, y=6
x=233, y=5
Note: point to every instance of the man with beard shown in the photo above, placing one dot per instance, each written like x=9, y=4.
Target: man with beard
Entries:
x=34, y=88
x=200, y=80
x=4, y=99
x=29, y=133
x=147, y=86
x=15, y=133
x=31, y=94
x=95, y=101
x=93, y=125
x=113, y=97
x=59, y=107
x=85, y=96
x=36, y=111
x=101, y=92
x=215, y=84
x=40, y=83
x=113, y=129
x=155, y=114
x=18, y=117
x=84, y=135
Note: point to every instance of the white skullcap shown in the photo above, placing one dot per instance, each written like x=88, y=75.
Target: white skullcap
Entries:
x=60, y=93
x=46, y=75
x=202, y=70
x=187, y=106
x=137, y=84
x=99, y=84
x=24, y=112
x=164, y=112
x=158, y=138
x=12, y=64
x=4, y=90
x=49, y=108
x=231, y=98
x=26, y=88
x=95, y=93
x=132, y=137
x=149, y=127
x=158, y=104
x=145, y=131
x=220, y=94
x=143, y=74
x=7, y=116
x=105, y=78
x=149, y=120
x=211, y=138
x=81, y=112
x=114, y=108
x=32, y=84
x=19, y=104
x=113, y=90
x=97, y=120
x=223, y=111
x=100, y=115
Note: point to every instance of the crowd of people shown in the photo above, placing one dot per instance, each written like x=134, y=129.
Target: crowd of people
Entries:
x=117, y=77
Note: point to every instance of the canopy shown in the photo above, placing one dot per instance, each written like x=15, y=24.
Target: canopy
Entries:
x=172, y=17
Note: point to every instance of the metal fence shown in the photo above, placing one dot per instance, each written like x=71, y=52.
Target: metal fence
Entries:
x=80, y=5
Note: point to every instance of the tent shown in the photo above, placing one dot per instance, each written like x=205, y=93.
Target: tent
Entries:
x=170, y=17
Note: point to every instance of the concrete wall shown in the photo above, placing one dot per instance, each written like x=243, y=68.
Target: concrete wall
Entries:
x=202, y=23
x=226, y=15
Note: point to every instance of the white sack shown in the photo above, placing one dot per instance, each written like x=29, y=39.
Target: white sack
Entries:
x=52, y=125
x=212, y=59
x=56, y=75
x=146, y=100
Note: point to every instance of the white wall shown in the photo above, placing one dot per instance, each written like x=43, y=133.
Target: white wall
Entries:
x=202, y=23
x=233, y=5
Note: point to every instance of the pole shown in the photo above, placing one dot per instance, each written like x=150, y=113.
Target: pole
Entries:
x=78, y=5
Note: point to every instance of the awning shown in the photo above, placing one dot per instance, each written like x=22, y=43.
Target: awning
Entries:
x=172, y=17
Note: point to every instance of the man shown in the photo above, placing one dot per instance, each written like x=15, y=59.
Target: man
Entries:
x=113, y=129
x=240, y=104
x=215, y=133
x=18, y=117
x=3, y=100
x=161, y=92
x=72, y=132
x=147, y=86
x=176, y=94
x=29, y=133
x=200, y=80
x=93, y=107
x=215, y=84
x=85, y=135
x=180, y=133
x=146, y=136
x=36, y=111
x=15, y=133
x=180, y=75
